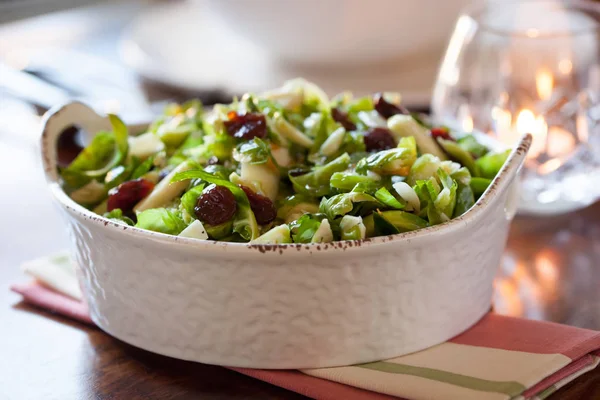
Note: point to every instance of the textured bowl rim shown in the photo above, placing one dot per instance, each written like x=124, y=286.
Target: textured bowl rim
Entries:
x=48, y=138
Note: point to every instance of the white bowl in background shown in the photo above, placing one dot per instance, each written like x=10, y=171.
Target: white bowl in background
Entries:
x=284, y=306
x=341, y=31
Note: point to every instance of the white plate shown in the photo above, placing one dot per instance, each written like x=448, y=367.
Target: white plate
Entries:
x=185, y=45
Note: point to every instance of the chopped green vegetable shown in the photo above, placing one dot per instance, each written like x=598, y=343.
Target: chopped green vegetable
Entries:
x=406, y=126
x=324, y=234
x=464, y=199
x=396, y=161
x=290, y=132
x=116, y=176
x=89, y=194
x=317, y=182
x=490, y=164
x=190, y=198
x=446, y=200
x=160, y=220
x=384, y=196
x=143, y=168
x=255, y=151
x=479, y=185
x=346, y=181
x=470, y=144
x=145, y=145
x=342, y=204
x=195, y=230
x=404, y=221
x=352, y=228
x=332, y=144
x=424, y=168
x=219, y=232
x=117, y=216
x=293, y=207
x=106, y=151
x=299, y=173
x=460, y=155
x=278, y=235
x=382, y=227
x=245, y=222
x=304, y=229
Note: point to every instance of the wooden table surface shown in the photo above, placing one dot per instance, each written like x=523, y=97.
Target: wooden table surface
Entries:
x=551, y=271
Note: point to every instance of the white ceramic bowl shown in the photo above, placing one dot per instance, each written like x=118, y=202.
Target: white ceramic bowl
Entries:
x=341, y=31
x=284, y=306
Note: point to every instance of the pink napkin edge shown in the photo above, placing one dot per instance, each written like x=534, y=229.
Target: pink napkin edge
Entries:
x=531, y=336
x=559, y=375
x=312, y=387
x=46, y=298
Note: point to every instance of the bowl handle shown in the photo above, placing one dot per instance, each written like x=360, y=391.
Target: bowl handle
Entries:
x=509, y=176
x=56, y=121
x=513, y=199
x=505, y=186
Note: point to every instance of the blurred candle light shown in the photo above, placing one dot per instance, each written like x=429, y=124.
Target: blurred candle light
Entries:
x=549, y=166
x=467, y=124
x=553, y=142
x=464, y=115
x=582, y=126
x=506, y=298
x=560, y=142
x=546, y=269
x=544, y=83
x=503, y=126
x=565, y=66
x=527, y=122
x=518, y=294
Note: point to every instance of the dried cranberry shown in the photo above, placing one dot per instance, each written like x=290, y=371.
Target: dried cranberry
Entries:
x=128, y=194
x=246, y=126
x=387, y=109
x=342, y=118
x=262, y=207
x=216, y=205
x=377, y=139
x=443, y=133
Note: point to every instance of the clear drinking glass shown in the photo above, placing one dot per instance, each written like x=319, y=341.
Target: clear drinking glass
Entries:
x=514, y=67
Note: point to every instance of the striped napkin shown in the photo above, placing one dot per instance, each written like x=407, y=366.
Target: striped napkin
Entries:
x=499, y=358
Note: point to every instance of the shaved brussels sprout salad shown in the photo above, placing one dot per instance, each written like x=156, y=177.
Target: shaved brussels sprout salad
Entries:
x=285, y=166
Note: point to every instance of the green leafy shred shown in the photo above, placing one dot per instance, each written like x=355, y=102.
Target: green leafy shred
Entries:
x=490, y=164
x=396, y=161
x=255, y=151
x=161, y=220
x=317, y=182
x=312, y=175
x=305, y=228
x=384, y=196
x=470, y=144
x=190, y=198
x=117, y=216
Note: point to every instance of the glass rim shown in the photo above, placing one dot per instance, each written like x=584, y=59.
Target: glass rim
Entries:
x=476, y=9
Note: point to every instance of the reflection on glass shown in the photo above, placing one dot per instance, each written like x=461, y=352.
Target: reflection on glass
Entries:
x=514, y=67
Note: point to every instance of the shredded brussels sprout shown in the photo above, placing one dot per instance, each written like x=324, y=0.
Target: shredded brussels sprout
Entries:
x=284, y=166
